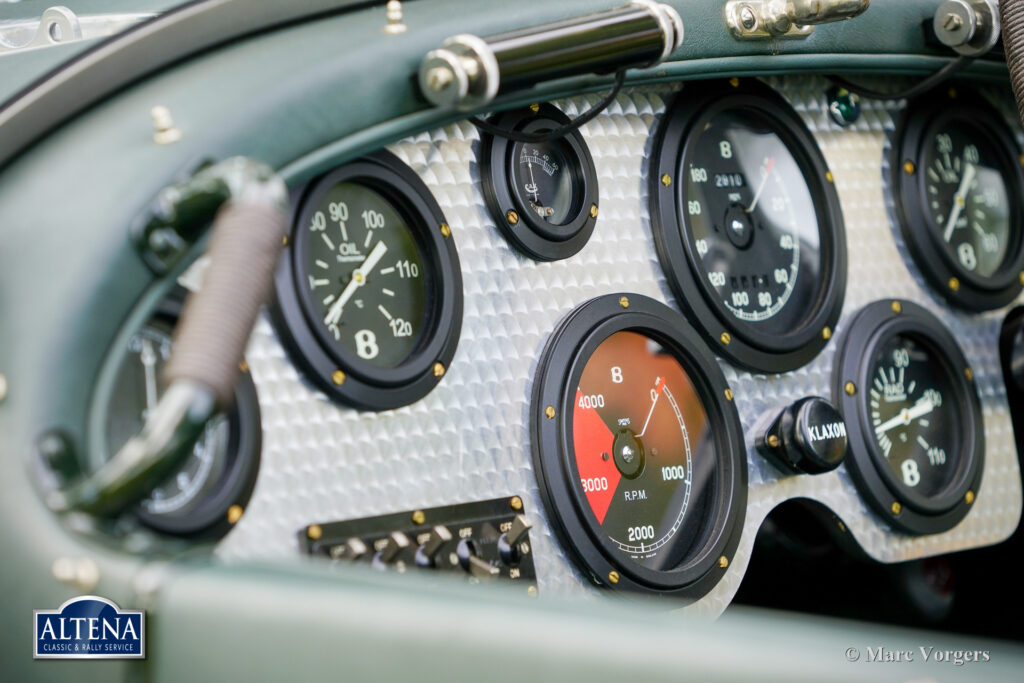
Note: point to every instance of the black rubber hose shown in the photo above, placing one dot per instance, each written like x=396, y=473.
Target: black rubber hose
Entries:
x=1011, y=13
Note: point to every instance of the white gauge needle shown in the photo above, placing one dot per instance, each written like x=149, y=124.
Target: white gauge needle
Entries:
x=659, y=384
x=768, y=168
x=148, y=358
x=959, y=200
x=922, y=407
x=359, y=276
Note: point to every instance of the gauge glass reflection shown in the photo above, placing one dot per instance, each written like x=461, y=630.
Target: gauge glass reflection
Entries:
x=642, y=450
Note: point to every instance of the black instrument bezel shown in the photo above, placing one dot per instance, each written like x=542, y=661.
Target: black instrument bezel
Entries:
x=568, y=349
x=673, y=141
x=920, y=234
x=872, y=327
x=367, y=387
x=531, y=236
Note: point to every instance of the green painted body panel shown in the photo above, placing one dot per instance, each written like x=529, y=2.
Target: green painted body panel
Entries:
x=303, y=99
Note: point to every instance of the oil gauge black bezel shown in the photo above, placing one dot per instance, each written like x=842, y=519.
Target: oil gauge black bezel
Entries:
x=872, y=327
x=337, y=372
x=674, y=138
x=519, y=224
x=567, y=351
x=948, y=278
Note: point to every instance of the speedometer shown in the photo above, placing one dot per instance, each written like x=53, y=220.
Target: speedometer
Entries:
x=747, y=226
x=638, y=448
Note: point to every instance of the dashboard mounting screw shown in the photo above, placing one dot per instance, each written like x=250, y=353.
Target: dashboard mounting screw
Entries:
x=723, y=561
x=969, y=497
x=734, y=82
x=954, y=283
x=952, y=93
x=164, y=130
x=314, y=532
x=438, y=369
x=826, y=333
x=550, y=412
x=624, y=301
x=1021, y=277
x=666, y=180
x=531, y=591
x=338, y=377
x=535, y=107
x=516, y=503
x=909, y=168
x=773, y=441
x=725, y=338
x=284, y=241
x=829, y=177
x=968, y=374
x=896, y=508
x=897, y=307
x=593, y=210
x=235, y=514
x=747, y=18
x=243, y=366
x=445, y=230
x=613, y=577
x=842, y=527
x=418, y=517
x=512, y=217
x=850, y=388
x=728, y=395
x=393, y=12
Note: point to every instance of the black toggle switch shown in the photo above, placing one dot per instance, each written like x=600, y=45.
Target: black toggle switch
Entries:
x=426, y=553
x=508, y=542
x=397, y=542
x=808, y=437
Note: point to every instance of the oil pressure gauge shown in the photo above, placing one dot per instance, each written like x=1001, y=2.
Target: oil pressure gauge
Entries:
x=913, y=417
x=638, y=448
x=957, y=181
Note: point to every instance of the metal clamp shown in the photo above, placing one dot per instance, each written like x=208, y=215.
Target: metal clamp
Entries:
x=467, y=71
x=59, y=25
x=786, y=19
x=971, y=27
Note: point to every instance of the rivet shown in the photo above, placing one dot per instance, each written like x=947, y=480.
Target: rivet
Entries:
x=728, y=394
x=725, y=338
x=666, y=180
x=969, y=497
x=235, y=514
x=954, y=284
x=613, y=577
x=969, y=374
x=243, y=366
x=445, y=230
x=773, y=441
x=896, y=508
x=516, y=503
x=393, y=12
x=438, y=369
x=624, y=301
x=909, y=168
x=531, y=591
x=512, y=217
x=723, y=561
x=850, y=388
x=535, y=107
x=284, y=241
x=826, y=333
x=314, y=532
x=842, y=527
x=418, y=517
x=897, y=307
x=338, y=377
x=550, y=412
x=164, y=129
x=593, y=210
x=829, y=177
x=734, y=82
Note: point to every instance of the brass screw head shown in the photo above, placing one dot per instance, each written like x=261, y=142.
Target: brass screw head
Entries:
x=954, y=283
x=728, y=394
x=550, y=412
x=613, y=577
x=969, y=497
x=624, y=301
x=243, y=366
x=897, y=307
x=773, y=441
x=235, y=514
x=666, y=180
x=418, y=517
x=531, y=591
x=952, y=93
x=842, y=527
x=338, y=377
x=909, y=168
x=896, y=508
x=1021, y=159
x=969, y=374
x=284, y=241
x=516, y=503
x=850, y=388
x=829, y=177
x=535, y=107
x=826, y=333
x=512, y=217
x=1021, y=277
x=734, y=82
x=725, y=338
x=445, y=230
x=593, y=210
x=314, y=532
x=723, y=562
x=438, y=369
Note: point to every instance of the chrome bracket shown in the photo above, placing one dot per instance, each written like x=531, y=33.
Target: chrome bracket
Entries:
x=786, y=19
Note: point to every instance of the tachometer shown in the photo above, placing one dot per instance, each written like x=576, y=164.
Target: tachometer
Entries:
x=638, y=448
x=913, y=417
x=369, y=298
x=747, y=226
x=957, y=180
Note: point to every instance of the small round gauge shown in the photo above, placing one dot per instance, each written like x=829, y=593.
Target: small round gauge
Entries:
x=638, y=448
x=542, y=195
x=913, y=417
x=747, y=225
x=220, y=471
x=369, y=298
x=957, y=182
